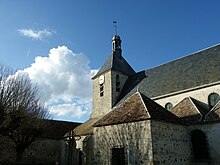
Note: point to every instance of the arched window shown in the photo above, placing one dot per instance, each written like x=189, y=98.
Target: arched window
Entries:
x=118, y=84
x=113, y=46
x=101, y=88
x=169, y=106
x=199, y=145
x=213, y=99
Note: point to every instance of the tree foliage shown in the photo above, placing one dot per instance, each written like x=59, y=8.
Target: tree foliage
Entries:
x=21, y=111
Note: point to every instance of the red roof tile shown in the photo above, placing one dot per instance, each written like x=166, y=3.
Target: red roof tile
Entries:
x=190, y=110
x=138, y=107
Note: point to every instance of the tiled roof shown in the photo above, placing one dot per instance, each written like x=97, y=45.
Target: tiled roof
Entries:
x=202, y=107
x=197, y=69
x=190, y=110
x=214, y=114
x=86, y=128
x=138, y=107
x=54, y=129
x=116, y=62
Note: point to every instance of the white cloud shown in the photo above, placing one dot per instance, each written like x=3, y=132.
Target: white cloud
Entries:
x=64, y=79
x=72, y=110
x=35, y=34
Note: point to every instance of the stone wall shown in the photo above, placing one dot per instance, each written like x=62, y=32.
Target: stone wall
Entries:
x=88, y=144
x=171, y=144
x=85, y=145
x=212, y=132
x=46, y=151
x=134, y=137
x=199, y=94
x=123, y=78
x=154, y=142
x=103, y=105
x=79, y=142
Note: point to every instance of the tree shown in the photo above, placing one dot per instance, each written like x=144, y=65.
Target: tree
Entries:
x=21, y=111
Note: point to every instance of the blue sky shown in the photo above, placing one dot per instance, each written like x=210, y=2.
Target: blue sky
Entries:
x=45, y=37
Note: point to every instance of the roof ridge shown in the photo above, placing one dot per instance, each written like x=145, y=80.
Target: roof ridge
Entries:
x=161, y=110
x=212, y=110
x=140, y=94
x=200, y=104
x=117, y=63
x=190, y=98
x=182, y=75
x=184, y=56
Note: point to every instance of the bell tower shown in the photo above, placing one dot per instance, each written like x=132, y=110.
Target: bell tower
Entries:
x=116, y=44
x=110, y=79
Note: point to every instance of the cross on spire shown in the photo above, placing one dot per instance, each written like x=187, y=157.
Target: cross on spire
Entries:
x=115, y=26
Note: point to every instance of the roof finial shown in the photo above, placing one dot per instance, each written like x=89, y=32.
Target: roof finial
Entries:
x=115, y=22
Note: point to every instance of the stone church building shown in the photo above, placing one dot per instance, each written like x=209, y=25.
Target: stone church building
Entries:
x=169, y=114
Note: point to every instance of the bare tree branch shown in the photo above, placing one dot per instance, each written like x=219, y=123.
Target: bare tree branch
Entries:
x=21, y=110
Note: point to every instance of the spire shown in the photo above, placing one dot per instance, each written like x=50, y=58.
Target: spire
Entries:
x=116, y=41
x=115, y=61
x=115, y=26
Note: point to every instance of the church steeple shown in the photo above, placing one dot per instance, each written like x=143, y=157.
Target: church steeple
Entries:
x=115, y=61
x=116, y=42
x=110, y=79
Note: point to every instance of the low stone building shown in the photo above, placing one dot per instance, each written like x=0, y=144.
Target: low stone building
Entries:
x=139, y=131
x=55, y=145
x=169, y=114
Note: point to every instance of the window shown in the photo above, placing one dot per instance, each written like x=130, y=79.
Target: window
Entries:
x=213, y=99
x=169, y=106
x=118, y=156
x=199, y=145
x=101, y=87
x=118, y=84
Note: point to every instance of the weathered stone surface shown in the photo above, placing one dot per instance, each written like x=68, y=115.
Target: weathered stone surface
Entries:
x=147, y=142
x=147, y=135
x=135, y=138
x=171, y=143
x=103, y=105
x=212, y=133
x=46, y=151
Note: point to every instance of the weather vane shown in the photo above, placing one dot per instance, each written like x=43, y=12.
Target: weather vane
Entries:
x=115, y=22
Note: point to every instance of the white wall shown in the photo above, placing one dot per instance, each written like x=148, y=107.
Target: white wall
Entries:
x=199, y=94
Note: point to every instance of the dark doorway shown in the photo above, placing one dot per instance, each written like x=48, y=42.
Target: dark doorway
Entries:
x=118, y=156
x=80, y=157
x=199, y=145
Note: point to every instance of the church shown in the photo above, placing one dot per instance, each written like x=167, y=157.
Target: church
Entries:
x=169, y=114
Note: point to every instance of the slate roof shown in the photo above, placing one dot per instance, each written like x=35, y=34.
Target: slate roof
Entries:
x=214, y=114
x=54, y=129
x=194, y=70
x=138, y=107
x=116, y=62
x=190, y=110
